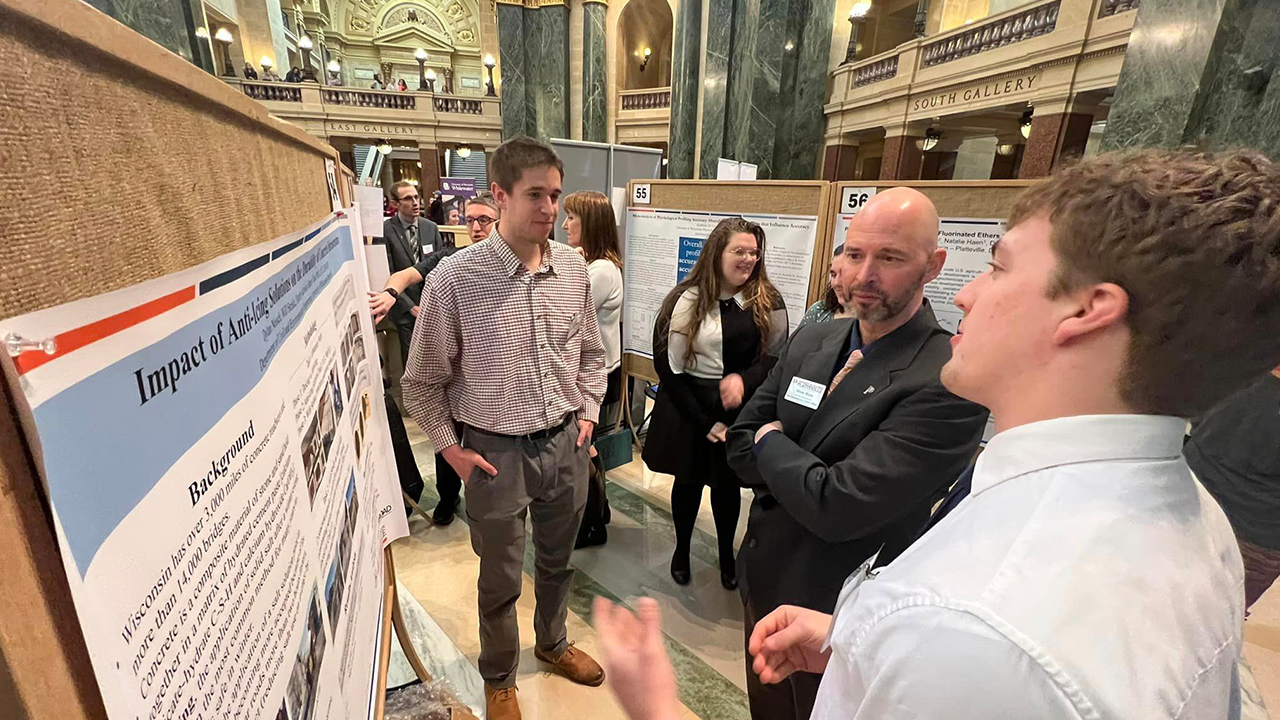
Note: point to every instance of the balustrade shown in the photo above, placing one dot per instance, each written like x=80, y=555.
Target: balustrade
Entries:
x=1010, y=29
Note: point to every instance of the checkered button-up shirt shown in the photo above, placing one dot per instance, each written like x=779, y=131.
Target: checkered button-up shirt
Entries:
x=503, y=349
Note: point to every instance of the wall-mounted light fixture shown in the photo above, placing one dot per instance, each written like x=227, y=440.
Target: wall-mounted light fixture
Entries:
x=1024, y=125
x=646, y=54
x=857, y=16
x=421, y=56
x=1006, y=149
x=464, y=151
x=930, y=139
x=224, y=38
x=489, y=64
x=384, y=147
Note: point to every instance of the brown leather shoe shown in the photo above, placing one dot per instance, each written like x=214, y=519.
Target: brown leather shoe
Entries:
x=501, y=703
x=575, y=665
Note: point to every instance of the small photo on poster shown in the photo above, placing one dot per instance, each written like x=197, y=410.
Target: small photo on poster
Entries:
x=300, y=697
x=318, y=439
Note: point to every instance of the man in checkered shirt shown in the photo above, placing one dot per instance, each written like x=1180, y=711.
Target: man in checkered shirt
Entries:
x=506, y=374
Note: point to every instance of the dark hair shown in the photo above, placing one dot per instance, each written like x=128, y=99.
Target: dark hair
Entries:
x=516, y=155
x=829, y=300
x=1194, y=240
x=599, y=230
x=762, y=297
x=484, y=198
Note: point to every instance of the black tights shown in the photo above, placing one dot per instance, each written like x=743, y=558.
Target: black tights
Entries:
x=726, y=503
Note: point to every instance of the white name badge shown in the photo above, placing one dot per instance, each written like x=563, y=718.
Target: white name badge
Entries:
x=805, y=392
x=427, y=249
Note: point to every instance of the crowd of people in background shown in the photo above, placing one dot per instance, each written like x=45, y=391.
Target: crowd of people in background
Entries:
x=999, y=584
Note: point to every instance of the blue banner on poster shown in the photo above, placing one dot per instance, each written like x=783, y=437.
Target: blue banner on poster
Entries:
x=690, y=249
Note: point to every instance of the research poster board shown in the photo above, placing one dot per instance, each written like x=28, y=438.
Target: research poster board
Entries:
x=221, y=481
x=968, y=243
x=663, y=245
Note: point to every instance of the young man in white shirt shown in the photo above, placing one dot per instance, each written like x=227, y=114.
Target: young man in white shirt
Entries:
x=1087, y=574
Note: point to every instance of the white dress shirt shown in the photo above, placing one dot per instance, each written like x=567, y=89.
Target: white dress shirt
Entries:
x=1087, y=575
x=606, y=293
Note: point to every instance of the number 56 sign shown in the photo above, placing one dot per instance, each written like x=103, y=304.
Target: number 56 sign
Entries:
x=853, y=199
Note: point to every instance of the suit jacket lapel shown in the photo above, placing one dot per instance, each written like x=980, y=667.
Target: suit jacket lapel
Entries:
x=871, y=377
x=402, y=237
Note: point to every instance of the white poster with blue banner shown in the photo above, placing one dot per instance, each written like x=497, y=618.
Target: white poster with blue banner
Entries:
x=220, y=474
x=662, y=246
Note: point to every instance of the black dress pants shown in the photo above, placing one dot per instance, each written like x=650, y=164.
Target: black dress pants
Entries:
x=791, y=699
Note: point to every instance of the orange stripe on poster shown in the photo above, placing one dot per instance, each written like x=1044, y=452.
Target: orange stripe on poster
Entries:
x=74, y=339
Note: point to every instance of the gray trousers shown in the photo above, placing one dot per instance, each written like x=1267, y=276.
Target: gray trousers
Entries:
x=545, y=478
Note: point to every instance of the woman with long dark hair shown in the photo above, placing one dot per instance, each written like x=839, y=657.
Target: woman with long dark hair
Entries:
x=715, y=339
x=591, y=227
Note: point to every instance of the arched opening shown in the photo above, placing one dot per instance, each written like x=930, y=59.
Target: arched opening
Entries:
x=644, y=24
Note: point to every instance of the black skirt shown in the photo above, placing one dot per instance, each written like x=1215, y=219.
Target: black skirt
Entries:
x=674, y=446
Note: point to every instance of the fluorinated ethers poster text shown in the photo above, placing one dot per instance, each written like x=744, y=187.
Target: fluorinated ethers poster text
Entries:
x=663, y=245
x=221, y=478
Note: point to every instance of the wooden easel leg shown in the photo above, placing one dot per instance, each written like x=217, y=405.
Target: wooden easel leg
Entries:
x=417, y=508
x=402, y=631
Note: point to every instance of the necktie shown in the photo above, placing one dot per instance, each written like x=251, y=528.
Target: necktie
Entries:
x=855, y=357
x=959, y=492
x=411, y=232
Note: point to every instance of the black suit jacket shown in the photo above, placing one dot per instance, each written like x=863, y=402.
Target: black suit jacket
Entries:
x=400, y=252
x=859, y=473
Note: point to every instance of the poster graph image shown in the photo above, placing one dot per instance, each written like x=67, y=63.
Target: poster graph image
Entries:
x=202, y=475
x=662, y=247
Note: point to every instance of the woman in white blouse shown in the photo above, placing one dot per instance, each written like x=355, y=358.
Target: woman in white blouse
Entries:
x=717, y=335
x=591, y=228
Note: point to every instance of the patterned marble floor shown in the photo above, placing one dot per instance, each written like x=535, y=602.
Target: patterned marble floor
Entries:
x=702, y=621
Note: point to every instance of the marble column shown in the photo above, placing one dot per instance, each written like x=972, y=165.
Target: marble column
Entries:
x=515, y=120
x=1054, y=137
x=902, y=158
x=595, y=122
x=715, y=90
x=171, y=23
x=803, y=89
x=1202, y=72
x=429, y=179
x=685, y=96
x=777, y=82
x=552, y=51
x=840, y=162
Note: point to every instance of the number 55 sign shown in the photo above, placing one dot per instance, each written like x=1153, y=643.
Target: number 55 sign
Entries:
x=852, y=199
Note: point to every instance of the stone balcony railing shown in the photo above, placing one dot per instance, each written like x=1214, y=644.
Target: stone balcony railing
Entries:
x=331, y=110
x=1006, y=30
x=1047, y=30
x=651, y=99
x=1115, y=7
x=386, y=99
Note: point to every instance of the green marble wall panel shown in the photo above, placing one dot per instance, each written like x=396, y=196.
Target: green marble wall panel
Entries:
x=532, y=70
x=1241, y=107
x=595, y=117
x=715, y=85
x=1185, y=82
x=755, y=80
x=801, y=140
x=515, y=120
x=170, y=23
x=552, y=89
x=686, y=56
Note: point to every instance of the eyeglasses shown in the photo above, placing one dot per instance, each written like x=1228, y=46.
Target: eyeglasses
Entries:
x=481, y=220
x=409, y=198
x=741, y=254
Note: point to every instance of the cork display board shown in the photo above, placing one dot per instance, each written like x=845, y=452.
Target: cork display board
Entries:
x=119, y=163
x=953, y=198
x=777, y=197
